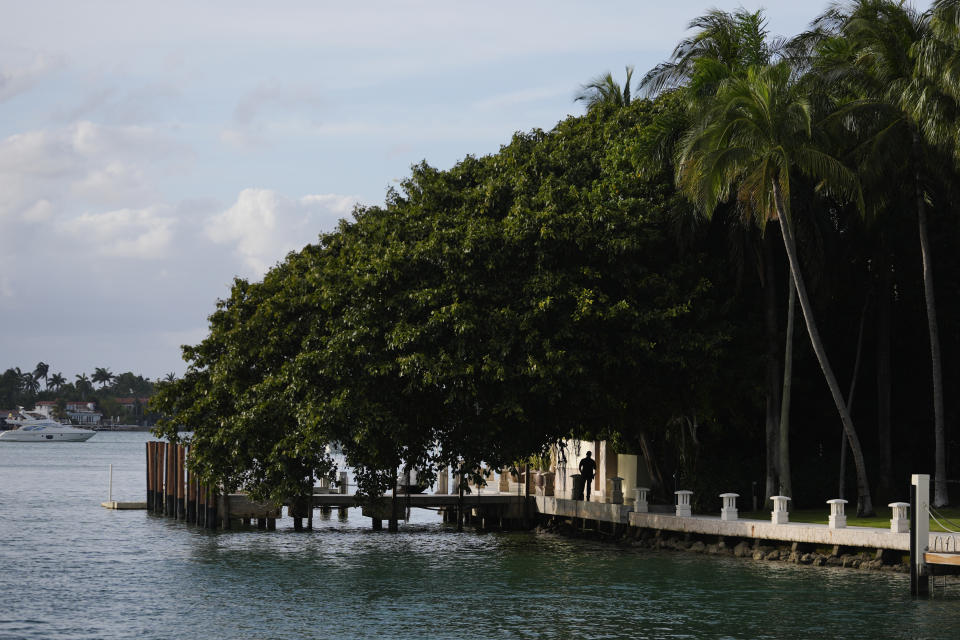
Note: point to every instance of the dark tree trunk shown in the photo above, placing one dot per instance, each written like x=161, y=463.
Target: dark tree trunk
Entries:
x=850, y=397
x=864, y=501
x=884, y=384
x=773, y=367
x=940, y=497
x=786, y=485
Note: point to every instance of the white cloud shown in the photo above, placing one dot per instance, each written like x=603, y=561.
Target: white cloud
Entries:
x=115, y=183
x=523, y=96
x=16, y=80
x=41, y=211
x=258, y=111
x=129, y=233
x=82, y=165
x=264, y=226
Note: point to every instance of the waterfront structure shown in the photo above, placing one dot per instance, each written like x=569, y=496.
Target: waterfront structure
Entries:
x=79, y=411
x=630, y=468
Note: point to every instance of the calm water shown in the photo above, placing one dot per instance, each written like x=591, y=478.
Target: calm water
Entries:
x=70, y=569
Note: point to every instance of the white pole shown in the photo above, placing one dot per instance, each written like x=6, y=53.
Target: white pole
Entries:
x=920, y=535
x=110, y=488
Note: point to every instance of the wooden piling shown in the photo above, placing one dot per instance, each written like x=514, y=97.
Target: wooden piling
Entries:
x=149, y=478
x=392, y=524
x=170, y=481
x=181, y=488
x=191, y=493
x=460, y=506
x=163, y=466
x=159, y=475
x=201, y=505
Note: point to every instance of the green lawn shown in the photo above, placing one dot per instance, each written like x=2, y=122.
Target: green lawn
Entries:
x=881, y=520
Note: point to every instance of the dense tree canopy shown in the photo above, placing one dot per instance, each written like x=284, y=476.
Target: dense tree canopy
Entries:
x=478, y=316
x=571, y=285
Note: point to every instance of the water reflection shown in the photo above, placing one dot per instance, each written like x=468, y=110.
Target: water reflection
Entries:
x=132, y=575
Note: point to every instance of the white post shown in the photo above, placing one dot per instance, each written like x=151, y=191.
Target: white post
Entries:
x=683, y=503
x=779, y=515
x=837, y=519
x=729, y=510
x=110, y=486
x=900, y=522
x=920, y=538
x=640, y=504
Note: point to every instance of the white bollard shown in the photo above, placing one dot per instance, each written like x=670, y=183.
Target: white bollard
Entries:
x=780, y=515
x=729, y=510
x=900, y=522
x=683, y=503
x=837, y=519
x=640, y=504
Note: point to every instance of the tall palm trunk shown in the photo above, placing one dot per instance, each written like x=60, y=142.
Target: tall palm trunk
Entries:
x=850, y=397
x=786, y=483
x=864, y=501
x=884, y=386
x=940, y=497
x=773, y=369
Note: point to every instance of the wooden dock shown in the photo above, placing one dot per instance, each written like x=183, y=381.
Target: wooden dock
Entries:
x=174, y=492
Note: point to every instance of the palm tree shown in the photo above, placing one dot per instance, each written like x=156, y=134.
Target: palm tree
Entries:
x=56, y=381
x=724, y=46
x=937, y=58
x=29, y=383
x=83, y=385
x=604, y=90
x=102, y=376
x=40, y=371
x=753, y=135
x=903, y=110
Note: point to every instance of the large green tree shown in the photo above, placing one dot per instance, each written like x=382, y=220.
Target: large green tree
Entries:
x=479, y=315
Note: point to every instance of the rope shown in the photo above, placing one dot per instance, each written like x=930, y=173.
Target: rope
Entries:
x=943, y=526
x=945, y=518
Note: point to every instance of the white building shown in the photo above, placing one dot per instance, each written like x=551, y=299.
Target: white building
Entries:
x=79, y=411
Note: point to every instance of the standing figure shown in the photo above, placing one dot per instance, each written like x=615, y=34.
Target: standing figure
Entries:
x=587, y=468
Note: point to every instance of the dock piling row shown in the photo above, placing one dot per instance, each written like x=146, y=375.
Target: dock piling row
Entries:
x=173, y=490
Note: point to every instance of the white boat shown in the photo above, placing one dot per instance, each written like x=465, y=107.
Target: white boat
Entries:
x=35, y=427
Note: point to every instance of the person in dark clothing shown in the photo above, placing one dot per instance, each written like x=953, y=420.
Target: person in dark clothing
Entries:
x=588, y=468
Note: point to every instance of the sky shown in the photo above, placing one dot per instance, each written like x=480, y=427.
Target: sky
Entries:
x=150, y=152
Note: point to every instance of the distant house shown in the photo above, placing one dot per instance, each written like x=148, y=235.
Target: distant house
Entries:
x=79, y=411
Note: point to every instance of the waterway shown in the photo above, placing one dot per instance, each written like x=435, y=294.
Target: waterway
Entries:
x=71, y=569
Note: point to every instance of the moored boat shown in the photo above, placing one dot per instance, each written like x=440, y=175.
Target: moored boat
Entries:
x=37, y=428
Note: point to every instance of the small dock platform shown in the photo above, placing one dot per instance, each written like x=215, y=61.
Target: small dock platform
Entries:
x=113, y=504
